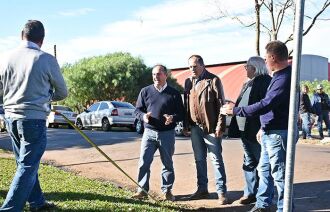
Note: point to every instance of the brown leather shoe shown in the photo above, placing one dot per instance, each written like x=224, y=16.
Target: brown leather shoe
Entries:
x=199, y=195
x=222, y=199
x=168, y=196
x=140, y=195
x=245, y=200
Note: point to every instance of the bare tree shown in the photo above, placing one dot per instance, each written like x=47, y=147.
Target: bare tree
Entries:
x=269, y=17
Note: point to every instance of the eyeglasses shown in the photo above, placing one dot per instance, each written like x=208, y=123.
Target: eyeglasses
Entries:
x=248, y=67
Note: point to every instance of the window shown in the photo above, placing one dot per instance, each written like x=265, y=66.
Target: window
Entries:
x=122, y=105
x=93, y=107
x=104, y=106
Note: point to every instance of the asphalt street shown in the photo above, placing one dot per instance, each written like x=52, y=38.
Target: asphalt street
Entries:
x=67, y=149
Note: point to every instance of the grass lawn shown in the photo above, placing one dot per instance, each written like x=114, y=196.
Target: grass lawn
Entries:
x=75, y=193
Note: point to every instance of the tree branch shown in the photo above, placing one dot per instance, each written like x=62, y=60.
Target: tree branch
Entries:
x=325, y=5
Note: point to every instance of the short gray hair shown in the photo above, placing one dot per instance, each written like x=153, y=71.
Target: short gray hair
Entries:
x=259, y=64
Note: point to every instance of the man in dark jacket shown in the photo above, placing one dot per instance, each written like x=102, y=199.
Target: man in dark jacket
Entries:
x=305, y=110
x=203, y=100
x=247, y=128
x=321, y=106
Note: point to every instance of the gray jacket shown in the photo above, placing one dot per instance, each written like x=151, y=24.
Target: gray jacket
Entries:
x=30, y=79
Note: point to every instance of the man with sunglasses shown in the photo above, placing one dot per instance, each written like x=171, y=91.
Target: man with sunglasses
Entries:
x=247, y=128
x=321, y=106
x=204, y=97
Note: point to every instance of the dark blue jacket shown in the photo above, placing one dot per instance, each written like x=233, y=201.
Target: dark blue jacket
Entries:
x=274, y=108
x=317, y=102
x=258, y=91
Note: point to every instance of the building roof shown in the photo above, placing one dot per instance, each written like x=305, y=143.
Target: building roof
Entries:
x=232, y=76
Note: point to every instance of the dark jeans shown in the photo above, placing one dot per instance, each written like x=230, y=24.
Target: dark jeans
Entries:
x=324, y=116
x=29, y=143
x=306, y=124
x=252, y=151
x=203, y=144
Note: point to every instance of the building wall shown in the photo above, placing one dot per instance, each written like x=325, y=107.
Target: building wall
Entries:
x=314, y=67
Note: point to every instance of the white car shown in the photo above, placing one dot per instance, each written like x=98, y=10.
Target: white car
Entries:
x=54, y=118
x=106, y=114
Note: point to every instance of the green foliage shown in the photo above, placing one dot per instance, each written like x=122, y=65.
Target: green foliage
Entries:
x=75, y=193
x=109, y=77
x=312, y=86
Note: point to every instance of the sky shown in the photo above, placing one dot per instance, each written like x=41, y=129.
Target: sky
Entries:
x=166, y=32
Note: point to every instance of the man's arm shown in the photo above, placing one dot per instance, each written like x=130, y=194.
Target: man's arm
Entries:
x=57, y=82
x=220, y=101
x=273, y=98
x=187, y=88
x=179, y=113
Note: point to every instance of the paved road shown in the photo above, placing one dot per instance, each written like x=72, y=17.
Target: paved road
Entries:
x=68, y=150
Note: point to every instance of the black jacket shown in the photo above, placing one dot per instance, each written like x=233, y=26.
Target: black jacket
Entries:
x=259, y=87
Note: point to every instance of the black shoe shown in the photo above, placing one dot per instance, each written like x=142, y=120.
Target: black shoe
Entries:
x=199, y=195
x=245, y=200
x=256, y=209
x=45, y=207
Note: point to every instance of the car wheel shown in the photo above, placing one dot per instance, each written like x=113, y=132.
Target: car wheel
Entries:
x=79, y=124
x=179, y=129
x=139, y=127
x=105, y=124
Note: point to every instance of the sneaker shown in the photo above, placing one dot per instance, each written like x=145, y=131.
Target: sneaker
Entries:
x=222, y=199
x=199, y=195
x=256, y=209
x=168, y=196
x=45, y=207
x=140, y=195
x=245, y=200
x=309, y=138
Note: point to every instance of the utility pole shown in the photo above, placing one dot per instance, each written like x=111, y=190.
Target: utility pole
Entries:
x=55, y=51
x=293, y=111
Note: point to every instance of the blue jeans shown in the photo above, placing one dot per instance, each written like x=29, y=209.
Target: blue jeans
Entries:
x=203, y=143
x=324, y=116
x=29, y=143
x=271, y=168
x=151, y=141
x=251, y=159
x=306, y=124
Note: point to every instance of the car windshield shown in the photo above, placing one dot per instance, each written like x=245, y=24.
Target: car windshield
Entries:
x=122, y=105
x=58, y=107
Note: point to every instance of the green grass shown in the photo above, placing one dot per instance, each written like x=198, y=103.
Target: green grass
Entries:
x=75, y=193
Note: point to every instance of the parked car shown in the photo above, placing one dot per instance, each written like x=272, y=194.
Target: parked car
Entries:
x=139, y=127
x=54, y=118
x=2, y=119
x=106, y=114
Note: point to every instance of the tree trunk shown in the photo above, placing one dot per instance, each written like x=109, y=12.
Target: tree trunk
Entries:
x=257, y=10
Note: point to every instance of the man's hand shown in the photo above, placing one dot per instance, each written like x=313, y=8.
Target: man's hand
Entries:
x=146, y=117
x=227, y=109
x=218, y=134
x=259, y=136
x=168, y=119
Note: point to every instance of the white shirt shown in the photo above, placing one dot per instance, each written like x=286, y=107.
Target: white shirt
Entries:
x=162, y=88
